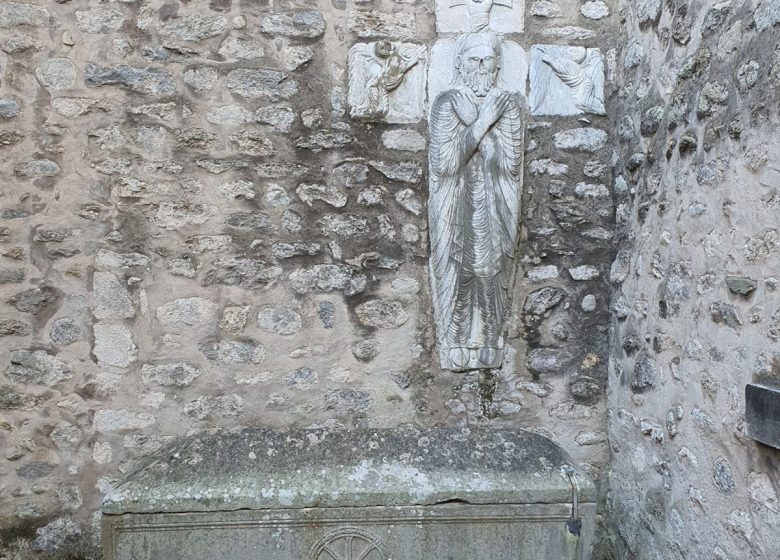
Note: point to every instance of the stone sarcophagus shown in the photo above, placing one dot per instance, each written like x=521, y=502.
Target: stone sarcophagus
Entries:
x=384, y=494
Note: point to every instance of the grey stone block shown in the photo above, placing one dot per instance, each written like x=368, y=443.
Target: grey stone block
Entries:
x=762, y=414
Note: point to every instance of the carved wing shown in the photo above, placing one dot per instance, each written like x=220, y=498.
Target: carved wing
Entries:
x=445, y=208
x=592, y=94
x=565, y=68
x=363, y=69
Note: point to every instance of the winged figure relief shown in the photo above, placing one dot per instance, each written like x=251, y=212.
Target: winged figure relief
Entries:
x=376, y=70
x=582, y=72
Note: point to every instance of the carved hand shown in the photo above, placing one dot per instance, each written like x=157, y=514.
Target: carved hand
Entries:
x=495, y=105
x=465, y=109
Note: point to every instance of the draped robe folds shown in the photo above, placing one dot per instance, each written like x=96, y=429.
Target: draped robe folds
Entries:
x=474, y=210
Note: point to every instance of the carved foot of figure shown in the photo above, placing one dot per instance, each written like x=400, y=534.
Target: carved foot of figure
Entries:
x=459, y=358
x=488, y=357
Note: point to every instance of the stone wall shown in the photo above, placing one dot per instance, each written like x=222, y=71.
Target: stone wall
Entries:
x=195, y=233
x=697, y=300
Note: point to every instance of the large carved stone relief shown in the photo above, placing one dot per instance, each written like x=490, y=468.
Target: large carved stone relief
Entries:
x=566, y=80
x=475, y=168
x=387, y=81
x=458, y=16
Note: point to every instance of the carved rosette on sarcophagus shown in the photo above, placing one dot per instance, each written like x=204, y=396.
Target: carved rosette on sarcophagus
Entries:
x=476, y=123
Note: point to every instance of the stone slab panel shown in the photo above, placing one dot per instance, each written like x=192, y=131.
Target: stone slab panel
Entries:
x=458, y=531
x=375, y=93
x=566, y=81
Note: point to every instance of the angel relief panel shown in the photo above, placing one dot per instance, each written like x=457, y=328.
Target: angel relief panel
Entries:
x=387, y=82
x=566, y=80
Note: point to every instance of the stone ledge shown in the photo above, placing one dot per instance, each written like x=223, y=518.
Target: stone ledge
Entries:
x=258, y=468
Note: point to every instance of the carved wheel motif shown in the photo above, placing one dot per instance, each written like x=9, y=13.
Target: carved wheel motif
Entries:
x=348, y=544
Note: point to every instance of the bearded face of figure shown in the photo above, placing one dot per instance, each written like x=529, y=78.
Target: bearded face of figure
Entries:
x=478, y=69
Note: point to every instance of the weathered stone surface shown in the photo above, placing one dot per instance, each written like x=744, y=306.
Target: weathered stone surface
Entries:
x=14, y=327
x=290, y=250
x=250, y=142
x=243, y=272
x=648, y=11
x=405, y=171
x=280, y=118
x=55, y=535
x=767, y=14
x=309, y=193
x=569, y=32
x=547, y=361
x=382, y=313
x=308, y=24
x=548, y=167
x=194, y=27
x=99, y=20
x=65, y=331
x=234, y=318
x=328, y=278
x=584, y=272
x=594, y=9
x=189, y=312
x=9, y=108
x=741, y=285
x=201, y=79
x=393, y=487
x=235, y=352
x=170, y=375
x=373, y=24
x=645, y=374
x=541, y=301
x=229, y=115
x=66, y=437
x=209, y=407
x=114, y=345
x=235, y=48
x=114, y=420
x=105, y=259
x=297, y=56
x=38, y=168
x=584, y=139
x=261, y=83
x=37, y=367
x=15, y=14
x=147, y=81
x=404, y=140
x=343, y=225
x=725, y=314
x=279, y=320
x=111, y=299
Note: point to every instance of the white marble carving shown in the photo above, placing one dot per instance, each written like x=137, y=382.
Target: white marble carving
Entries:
x=475, y=164
x=387, y=81
x=512, y=75
x=566, y=81
x=459, y=16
